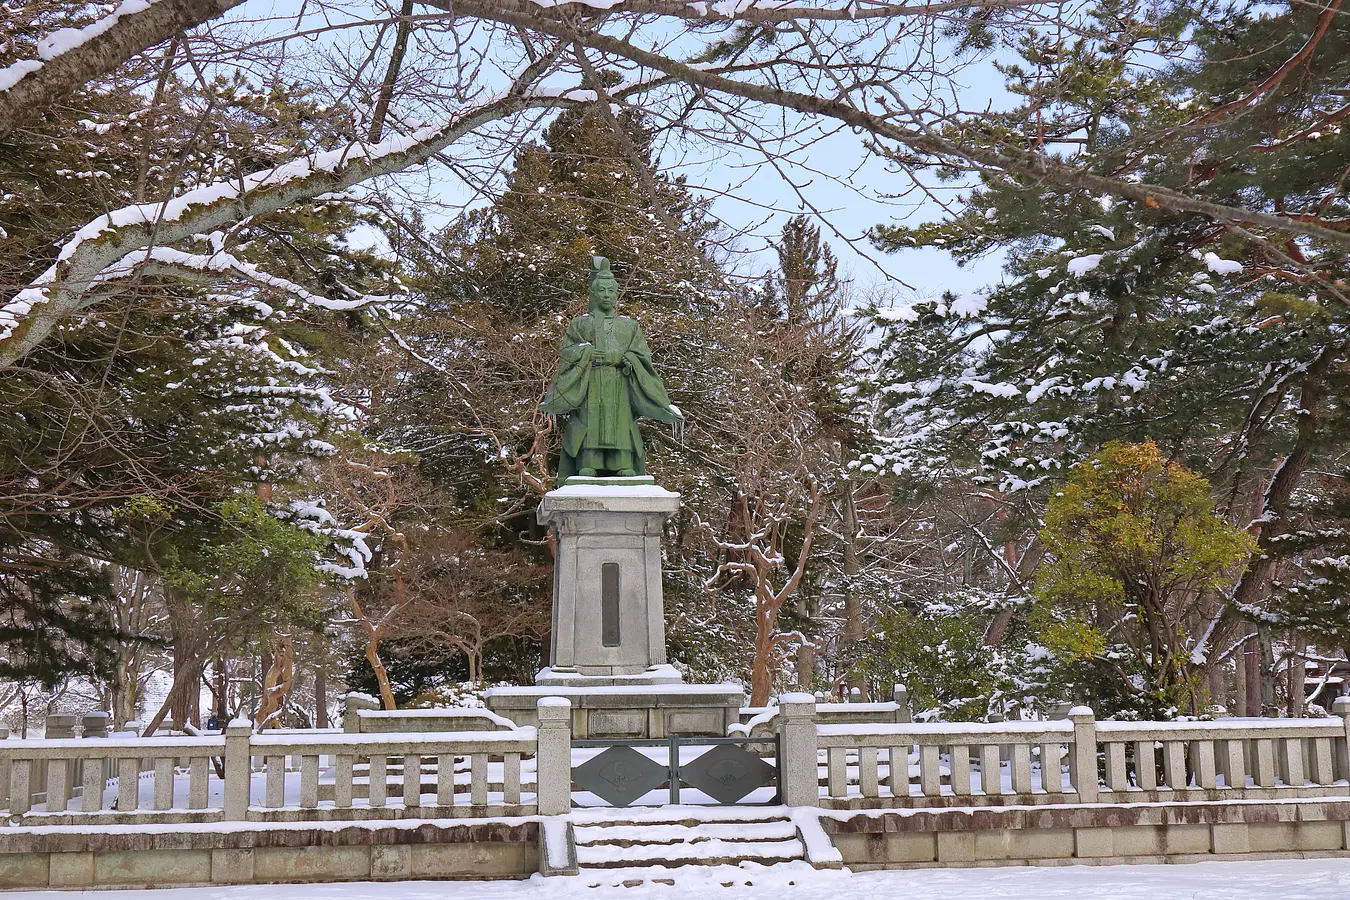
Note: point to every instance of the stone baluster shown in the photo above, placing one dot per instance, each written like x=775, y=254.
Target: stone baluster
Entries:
x=352, y=704
x=4, y=770
x=238, y=769
x=60, y=775
x=95, y=724
x=95, y=770
x=554, y=756
x=798, y=764
x=1084, y=753
x=900, y=695
x=1341, y=707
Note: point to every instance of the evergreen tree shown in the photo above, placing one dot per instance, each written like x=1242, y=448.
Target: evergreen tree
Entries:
x=167, y=393
x=1123, y=321
x=492, y=293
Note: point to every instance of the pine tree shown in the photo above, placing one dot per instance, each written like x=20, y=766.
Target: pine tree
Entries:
x=167, y=392
x=1122, y=321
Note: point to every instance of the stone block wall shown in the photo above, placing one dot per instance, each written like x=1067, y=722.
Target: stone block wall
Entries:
x=1098, y=834
x=169, y=858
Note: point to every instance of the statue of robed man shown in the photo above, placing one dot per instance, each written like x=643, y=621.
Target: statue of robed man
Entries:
x=605, y=381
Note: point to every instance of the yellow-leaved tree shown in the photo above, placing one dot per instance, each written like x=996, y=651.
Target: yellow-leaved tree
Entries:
x=1137, y=568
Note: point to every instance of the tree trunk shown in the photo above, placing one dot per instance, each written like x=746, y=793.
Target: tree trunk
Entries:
x=1298, y=677
x=1240, y=682
x=1251, y=669
x=1267, y=671
x=277, y=681
x=761, y=671
x=853, y=624
x=222, y=677
x=1273, y=520
x=320, y=696
x=185, y=681
x=1218, y=692
x=381, y=674
x=806, y=666
x=181, y=660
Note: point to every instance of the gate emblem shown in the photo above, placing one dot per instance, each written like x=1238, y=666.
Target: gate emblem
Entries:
x=727, y=773
x=620, y=775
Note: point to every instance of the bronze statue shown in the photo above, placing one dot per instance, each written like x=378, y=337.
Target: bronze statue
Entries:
x=605, y=381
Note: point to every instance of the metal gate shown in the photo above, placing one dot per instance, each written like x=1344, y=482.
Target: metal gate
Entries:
x=727, y=772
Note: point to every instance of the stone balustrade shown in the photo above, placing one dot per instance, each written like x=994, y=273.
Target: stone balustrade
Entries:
x=1073, y=760
x=410, y=751
x=127, y=779
x=312, y=775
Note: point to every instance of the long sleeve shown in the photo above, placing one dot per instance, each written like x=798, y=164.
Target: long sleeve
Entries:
x=647, y=394
x=574, y=370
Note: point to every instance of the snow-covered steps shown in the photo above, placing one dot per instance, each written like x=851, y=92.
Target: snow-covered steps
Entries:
x=681, y=835
x=691, y=878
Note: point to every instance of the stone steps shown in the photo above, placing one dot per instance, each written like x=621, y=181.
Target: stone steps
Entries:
x=648, y=842
x=711, y=876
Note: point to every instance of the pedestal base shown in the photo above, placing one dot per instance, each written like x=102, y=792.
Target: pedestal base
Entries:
x=609, y=710
x=556, y=676
x=608, y=618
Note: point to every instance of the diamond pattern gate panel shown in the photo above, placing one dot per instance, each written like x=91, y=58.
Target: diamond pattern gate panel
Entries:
x=725, y=771
x=620, y=775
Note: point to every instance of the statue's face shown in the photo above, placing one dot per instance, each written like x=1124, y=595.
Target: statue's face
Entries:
x=606, y=294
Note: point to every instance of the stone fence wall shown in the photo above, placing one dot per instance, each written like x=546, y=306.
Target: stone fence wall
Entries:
x=272, y=776
x=827, y=761
x=355, y=805
x=1074, y=760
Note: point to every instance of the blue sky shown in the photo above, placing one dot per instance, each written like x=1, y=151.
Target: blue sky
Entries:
x=833, y=175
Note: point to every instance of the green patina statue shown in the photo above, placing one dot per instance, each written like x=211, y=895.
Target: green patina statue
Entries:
x=605, y=381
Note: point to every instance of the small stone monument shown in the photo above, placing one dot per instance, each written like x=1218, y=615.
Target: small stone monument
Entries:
x=608, y=649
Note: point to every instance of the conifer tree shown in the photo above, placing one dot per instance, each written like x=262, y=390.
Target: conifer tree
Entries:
x=1126, y=321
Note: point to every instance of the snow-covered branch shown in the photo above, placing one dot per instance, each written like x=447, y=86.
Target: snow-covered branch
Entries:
x=69, y=58
x=169, y=261
x=28, y=317
x=1003, y=157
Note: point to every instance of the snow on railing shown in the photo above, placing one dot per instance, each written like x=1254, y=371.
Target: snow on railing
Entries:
x=956, y=756
x=105, y=774
x=763, y=720
x=126, y=779
x=397, y=760
x=1077, y=760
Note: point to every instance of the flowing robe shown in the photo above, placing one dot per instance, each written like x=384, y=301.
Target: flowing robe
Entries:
x=605, y=381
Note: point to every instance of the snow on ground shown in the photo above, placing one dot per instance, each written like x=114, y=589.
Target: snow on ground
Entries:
x=1322, y=879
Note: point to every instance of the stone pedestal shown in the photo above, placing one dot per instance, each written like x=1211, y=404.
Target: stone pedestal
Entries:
x=608, y=615
x=611, y=711
x=608, y=651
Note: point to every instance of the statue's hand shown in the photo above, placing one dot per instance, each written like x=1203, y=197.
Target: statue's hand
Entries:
x=626, y=365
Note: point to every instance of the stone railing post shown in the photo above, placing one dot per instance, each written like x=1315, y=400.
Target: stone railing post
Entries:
x=238, y=763
x=4, y=769
x=352, y=704
x=95, y=724
x=1084, y=758
x=58, y=776
x=1341, y=707
x=553, y=759
x=798, y=767
x=900, y=695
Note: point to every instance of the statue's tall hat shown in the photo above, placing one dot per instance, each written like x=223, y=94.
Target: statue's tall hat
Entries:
x=600, y=271
x=600, y=274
